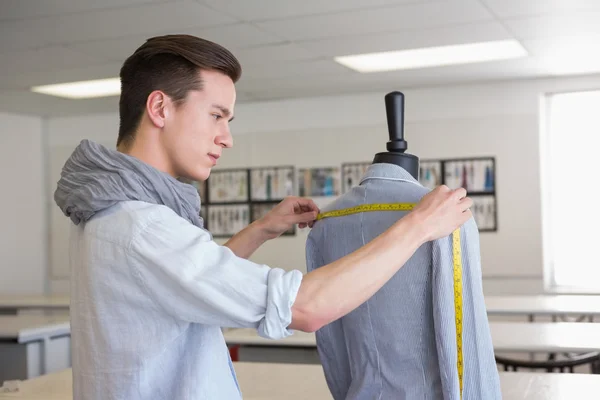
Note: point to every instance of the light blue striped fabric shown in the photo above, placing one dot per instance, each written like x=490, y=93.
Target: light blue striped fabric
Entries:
x=401, y=343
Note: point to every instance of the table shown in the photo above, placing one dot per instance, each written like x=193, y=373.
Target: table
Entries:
x=547, y=337
x=11, y=304
x=547, y=305
x=299, y=382
x=542, y=386
x=34, y=345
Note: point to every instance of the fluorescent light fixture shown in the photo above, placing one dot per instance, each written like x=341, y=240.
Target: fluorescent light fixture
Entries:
x=433, y=56
x=83, y=89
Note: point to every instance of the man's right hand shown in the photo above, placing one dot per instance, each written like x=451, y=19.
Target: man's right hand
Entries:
x=442, y=211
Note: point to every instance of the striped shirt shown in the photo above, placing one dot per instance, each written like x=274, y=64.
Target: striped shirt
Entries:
x=401, y=343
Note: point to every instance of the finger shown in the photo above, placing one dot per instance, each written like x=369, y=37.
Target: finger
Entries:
x=308, y=209
x=297, y=208
x=304, y=217
x=443, y=189
x=309, y=204
x=466, y=203
x=459, y=193
x=467, y=215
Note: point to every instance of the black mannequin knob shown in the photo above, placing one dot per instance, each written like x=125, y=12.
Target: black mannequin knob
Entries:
x=397, y=146
x=394, y=107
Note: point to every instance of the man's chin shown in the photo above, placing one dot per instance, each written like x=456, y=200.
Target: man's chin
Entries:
x=197, y=175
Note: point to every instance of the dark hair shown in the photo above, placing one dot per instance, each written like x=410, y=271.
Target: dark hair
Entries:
x=170, y=63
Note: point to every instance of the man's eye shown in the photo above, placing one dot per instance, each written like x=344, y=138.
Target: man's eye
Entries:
x=217, y=116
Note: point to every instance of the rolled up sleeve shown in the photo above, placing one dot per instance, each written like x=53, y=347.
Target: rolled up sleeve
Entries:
x=194, y=279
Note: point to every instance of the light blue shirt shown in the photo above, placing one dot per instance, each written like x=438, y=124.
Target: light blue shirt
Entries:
x=149, y=295
x=401, y=343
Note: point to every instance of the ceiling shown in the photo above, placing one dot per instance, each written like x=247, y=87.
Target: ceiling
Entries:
x=285, y=46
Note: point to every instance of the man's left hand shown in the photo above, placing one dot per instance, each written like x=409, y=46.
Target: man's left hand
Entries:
x=291, y=211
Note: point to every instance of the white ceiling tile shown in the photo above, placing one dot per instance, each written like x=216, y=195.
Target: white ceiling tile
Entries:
x=293, y=69
x=45, y=106
x=47, y=59
x=46, y=77
x=235, y=36
x=272, y=53
x=566, y=55
x=105, y=24
x=517, y=8
x=377, y=20
x=477, y=32
x=260, y=10
x=112, y=49
x=398, y=80
x=579, y=23
x=21, y=9
x=230, y=36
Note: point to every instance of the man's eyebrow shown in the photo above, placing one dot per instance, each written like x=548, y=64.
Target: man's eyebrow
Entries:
x=224, y=110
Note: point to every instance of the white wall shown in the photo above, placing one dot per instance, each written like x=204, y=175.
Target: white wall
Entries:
x=500, y=120
x=22, y=206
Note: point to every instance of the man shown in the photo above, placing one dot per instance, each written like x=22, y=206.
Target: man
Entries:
x=150, y=290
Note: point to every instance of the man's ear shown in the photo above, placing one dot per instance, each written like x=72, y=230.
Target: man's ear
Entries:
x=155, y=107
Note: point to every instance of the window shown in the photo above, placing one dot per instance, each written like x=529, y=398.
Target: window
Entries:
x=570, y=153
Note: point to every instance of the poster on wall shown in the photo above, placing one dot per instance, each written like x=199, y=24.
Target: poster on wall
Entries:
x=430, y=173
x=274, y=183
x=475, y=175
x=484, y=212
x=259, y=210
x=228, y=186
x=319, y=181
x=352, y=173
x=227, y=220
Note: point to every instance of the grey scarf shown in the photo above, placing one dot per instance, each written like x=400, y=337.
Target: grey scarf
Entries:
x=95, y=178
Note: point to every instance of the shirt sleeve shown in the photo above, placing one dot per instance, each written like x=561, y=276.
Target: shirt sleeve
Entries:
x=194, y=279
x=480, y=373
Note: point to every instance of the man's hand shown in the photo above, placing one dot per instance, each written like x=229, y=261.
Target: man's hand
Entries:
x=291, y=211
x=442, y=211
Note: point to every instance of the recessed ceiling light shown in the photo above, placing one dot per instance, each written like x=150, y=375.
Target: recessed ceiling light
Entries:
x=433, y=56
x=83, y=89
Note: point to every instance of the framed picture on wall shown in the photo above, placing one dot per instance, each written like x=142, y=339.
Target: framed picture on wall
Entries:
x=430, y=173
x=352, y=173
x=271, y=183
x=318, y=182
x=228, y=186
x=476, y=175
x=484, y=212
x=227, y=220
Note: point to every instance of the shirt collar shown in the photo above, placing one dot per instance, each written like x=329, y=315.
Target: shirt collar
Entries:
x=388, y=172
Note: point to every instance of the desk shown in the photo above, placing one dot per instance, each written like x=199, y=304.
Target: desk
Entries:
x=11, y=304
x=547, y=305
x=542, y=386
x=33, y=345
x=548, y=337
x=301, y=382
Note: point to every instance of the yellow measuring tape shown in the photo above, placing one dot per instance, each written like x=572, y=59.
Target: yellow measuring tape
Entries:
x=457, y=261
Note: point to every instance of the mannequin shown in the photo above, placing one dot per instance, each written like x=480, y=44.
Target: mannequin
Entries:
x=401, y=343
x=394, y=107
